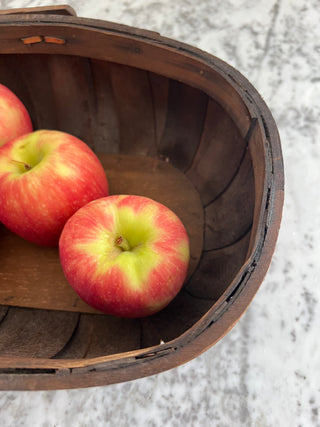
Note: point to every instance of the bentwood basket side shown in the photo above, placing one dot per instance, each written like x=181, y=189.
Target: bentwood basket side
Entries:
x=167, y=121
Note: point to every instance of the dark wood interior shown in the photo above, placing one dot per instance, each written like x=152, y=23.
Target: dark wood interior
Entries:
x=168, y=122
x=156, y=137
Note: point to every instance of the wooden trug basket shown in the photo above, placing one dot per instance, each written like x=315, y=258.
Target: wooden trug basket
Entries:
x=170, y=122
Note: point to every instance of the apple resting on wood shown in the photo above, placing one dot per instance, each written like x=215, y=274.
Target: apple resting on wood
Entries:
x=46, y=176
x=127, y=256
x=14, y=118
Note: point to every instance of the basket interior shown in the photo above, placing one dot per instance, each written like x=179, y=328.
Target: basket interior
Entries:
x=155, y=136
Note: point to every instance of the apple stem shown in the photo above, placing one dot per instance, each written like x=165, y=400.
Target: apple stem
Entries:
x=123, y=243
x=25, y=165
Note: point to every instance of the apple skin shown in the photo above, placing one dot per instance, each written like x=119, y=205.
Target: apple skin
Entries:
x=62, y=175
x=125, y=282
x=14, y=118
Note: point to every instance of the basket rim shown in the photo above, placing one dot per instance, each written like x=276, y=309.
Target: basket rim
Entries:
x=70, y=373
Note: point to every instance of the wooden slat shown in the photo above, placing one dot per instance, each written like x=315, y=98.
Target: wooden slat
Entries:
x=262, y=198
x=35, y=333
x=3, y=311
x=34, y=76
x=11, y=75
x=217, y=269
x=144, y=54
x=133, y=100
x=182, y=313
x=229, y=217
x=219, y=153
x=184, y=124
x=26, y=268
x=73, y=94
x=159, y=92
x=56, y=90
x=106, y=127
x=100, y=336
x=213, y=276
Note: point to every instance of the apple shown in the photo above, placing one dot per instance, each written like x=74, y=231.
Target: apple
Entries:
x=125, y=255
x=45, y=176
x=14, y=118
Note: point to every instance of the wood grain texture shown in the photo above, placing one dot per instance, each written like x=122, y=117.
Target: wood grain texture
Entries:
x=106, y=121
x=11, y=76
x=229, y=217
x=181, y=314
x=133, y=101
x=159, y=87
x=98, y=335
x=216, y=270
x=185, y=118
x=194, y=111
x=35, y=333
x=73, y=96
x=219, y=154
x=3, y=312
x=31, y=276
x=48, y=85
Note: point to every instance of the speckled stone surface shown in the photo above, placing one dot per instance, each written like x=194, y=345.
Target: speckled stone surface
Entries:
x=266, y=371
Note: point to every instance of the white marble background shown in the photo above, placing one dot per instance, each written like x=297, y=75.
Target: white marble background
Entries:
x=266, y=371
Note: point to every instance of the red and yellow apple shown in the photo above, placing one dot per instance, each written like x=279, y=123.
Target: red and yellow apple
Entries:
x=125, y=255
x=46, y=176
x=14, y=118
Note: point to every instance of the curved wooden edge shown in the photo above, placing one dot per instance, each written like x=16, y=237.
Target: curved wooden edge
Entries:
x=129, y=46
x=56, y=374
x=43, y=374
x=48, y=374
